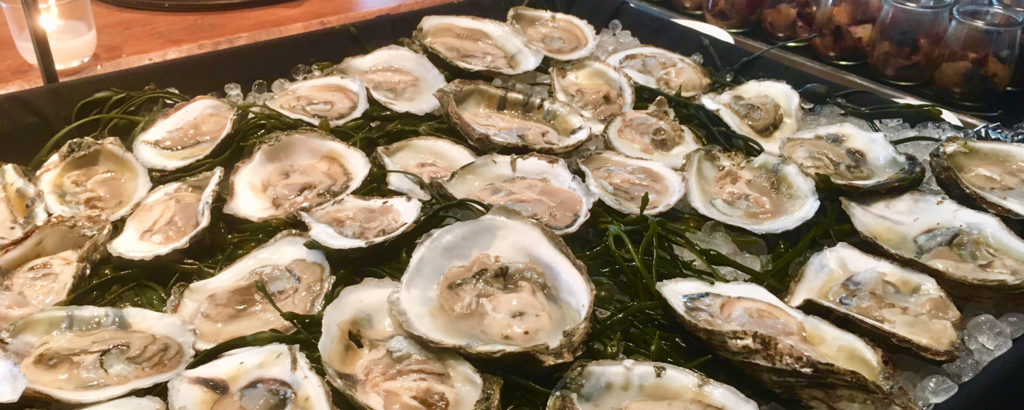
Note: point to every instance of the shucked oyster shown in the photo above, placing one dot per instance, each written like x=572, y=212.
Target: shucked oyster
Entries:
x=370, y=358
x=789, y=351
x=87, y=354
x=21, y=205
x=294, y=170
x=628, y=384
x=185, y=134
x=765, y=110
x=494, y=286
x=478, y=44
x=652, y=134
x=622, y=182
x=332, y=98
x=896, y=305
x=429, y=158
x=356, y=222
x=984, y=174
x=662, y=70
x=595, y=87
x=557, y=35
x=401, y=79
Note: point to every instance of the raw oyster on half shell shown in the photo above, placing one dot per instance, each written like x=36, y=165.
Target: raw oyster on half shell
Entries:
x=558, y=35
x=429, y=158
x=185, y=134
x=662, y=70
x=478, y=44
x=987, y=175
x=397, y=77
x=652, y=134
x=623, y=182
x=334, y=99
x=595, y=87
x=765, y=110
x=358, y=222
x=21, y=204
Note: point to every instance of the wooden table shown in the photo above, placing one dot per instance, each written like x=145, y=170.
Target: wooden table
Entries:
x=129, y=38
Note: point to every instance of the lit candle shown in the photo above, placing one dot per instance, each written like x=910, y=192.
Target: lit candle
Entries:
x=69, y=29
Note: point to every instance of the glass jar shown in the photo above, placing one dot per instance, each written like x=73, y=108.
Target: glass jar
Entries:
x=733, y=15
x=695, y=7
x=906, y=39
x=789, y=19
x=844, y=29
x=69, y=30
x=1017, y=82
x=976, y=58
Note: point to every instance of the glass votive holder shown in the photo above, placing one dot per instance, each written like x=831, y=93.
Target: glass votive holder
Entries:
x=695, y=7
x=789, y=19
x=733, y=15
x=844, y=29
x=69, y=26
x=906, y=39
x=1017, y=82
x=976, y=58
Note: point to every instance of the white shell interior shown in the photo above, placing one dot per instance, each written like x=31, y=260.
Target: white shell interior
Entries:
x=663, y=191
x=615, y=384
x=508, y=39
x=553, y=33
x=879, y=155
x=782, y=93
x=322, y=99
x=639, y=123
x=414, y=95
x=145, y=146
x=661, y=67
x=333, y=237
x=422, y=156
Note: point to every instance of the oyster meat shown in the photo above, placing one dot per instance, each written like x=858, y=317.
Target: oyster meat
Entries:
x=357, y=222
x=558, y=35
x=334, y=99
x=185, y=134
x=429, y=158
x=984, y=174
x=595, y=87
x=401, y=79
x=478, y=44
x=663, y=70
x=765, y=110
x=21, y=205
x=652, y=134
x=623, y=182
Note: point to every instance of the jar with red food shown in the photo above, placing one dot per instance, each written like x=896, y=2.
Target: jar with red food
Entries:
x=1017, y=82
x=789, y=19
x=734, y=15
x=906, y=39
x=976, y=59
x=844, y=29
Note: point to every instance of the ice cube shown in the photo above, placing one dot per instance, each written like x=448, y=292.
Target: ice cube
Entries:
x=279, y=85
x=232, y=88
x=615, y=25
x=301, y=71
x=987, y=337
x=259, y=87
x=934, y=389
x=1015, y=322
x=964, y=368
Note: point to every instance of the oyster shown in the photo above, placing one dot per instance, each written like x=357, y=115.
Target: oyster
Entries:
x=765, y=194
x=983, y=174
x=478, y=44
x=662, y=70
x=370, y=358
x=168, y=218
x=494, y=286
x=94, y=177
x=229, y=305
x=294, y=170
x=274, y=376
x=972, y=254
x=491, y=117
x=593, y=86
x=557, y=35
x=894, y=304
x=334, y=99
x=401, y=79
x=537, y=186
x=628, y=384
x=623, y=182
x=21, y=205
x=357, y=222
x=87, y=354
x=130, y=403
x=185, y=134
x=852, y=158
x=788, y=351
x=652, y=134
x=765, y=110
x=429, y=158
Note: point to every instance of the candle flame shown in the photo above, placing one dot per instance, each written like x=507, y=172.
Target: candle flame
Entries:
x=48, y=17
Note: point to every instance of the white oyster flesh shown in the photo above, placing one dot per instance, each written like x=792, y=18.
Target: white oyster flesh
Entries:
x=92, y=177
x=628, y=384
x=274, y=376
x=765, y=194
x=130, y=403
x=844, y=153
x=557, y=35
x=12, y=380
x=622, y=182
x=478, y=44
x=333, y=98
x=369, y=357
x=397, y=77
x=230, y=305
x=662, y=70
x=652, y=134
x=991, y=170
x=357, y=222
x=294, y=170
x=169, y=217
x=496, y=285
x=906, y=305
x=764, y=110
x=21, y=204
x=429, y=158
x=959, y=243
x=595, y=87
x=186, y=134
x=88, y=354
x=537, y=186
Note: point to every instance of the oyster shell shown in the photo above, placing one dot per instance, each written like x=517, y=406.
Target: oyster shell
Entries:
x=370, y=358
x=333, y=98
x=94, y=177
x=595, y=87
x=401, y=79
x=537, y=186
x=765, y=194
x=478, y=44
x=628, y=384
x=429, y=158
x=274, y=376
x=357, y=222
x=185, y=134
x=88, y=354
x=494, y=286
x=130, y=403
x=294, y=170
x=622, y=182
x=491, y=117
x=986, y=175
x=229, y=305
x=852, y=158
x=663, y=70
x=788, y=351
x=21, y=205
x=557, y=35
x=764, y=110
x=895, y=305
x=169, y=217
x=652, y=134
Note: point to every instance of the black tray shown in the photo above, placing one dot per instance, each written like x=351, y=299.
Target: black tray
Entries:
x=28, y=118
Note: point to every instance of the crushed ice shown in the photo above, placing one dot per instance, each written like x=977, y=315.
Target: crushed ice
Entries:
x=713, y=236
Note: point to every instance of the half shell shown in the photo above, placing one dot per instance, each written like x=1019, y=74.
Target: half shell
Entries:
x=429, y=158
x=764, y=110
x=185, y=134
x=652, y=134
x=663, y=70
x=401, y=79
x=987, y=175
x=595, y=87
x=622, y=182
x=21, y=205
x=357, y=222
x=557, y=35
x=334, y=99
x=478, y=44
